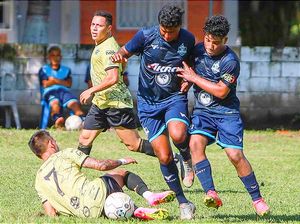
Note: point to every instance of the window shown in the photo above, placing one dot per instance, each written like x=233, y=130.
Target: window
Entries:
x=134, y=14
x=5, y=14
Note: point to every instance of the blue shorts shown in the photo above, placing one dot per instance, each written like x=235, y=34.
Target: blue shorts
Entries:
x=226, y=130
x=155, y=117
x=63, y=96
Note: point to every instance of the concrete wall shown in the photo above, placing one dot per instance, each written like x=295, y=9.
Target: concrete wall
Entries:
x=268, y=87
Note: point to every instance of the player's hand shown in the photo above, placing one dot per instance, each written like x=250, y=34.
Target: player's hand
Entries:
x=187, y=73
x=185, y=86
x=118, y=58
x=86, y=96
x=128, y=160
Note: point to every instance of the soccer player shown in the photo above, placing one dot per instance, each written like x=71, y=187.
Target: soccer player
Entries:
x=64, y=189
x=216, y=115
x=162, y=103
x=56, y=81
x=112, y=104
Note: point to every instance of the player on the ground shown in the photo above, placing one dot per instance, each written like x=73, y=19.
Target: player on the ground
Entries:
x=56, y=81
x=216, y=115
x=64, y=189
x=162, y=103
x=112, y=104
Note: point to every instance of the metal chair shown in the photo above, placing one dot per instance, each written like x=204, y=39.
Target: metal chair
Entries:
x=9, y=105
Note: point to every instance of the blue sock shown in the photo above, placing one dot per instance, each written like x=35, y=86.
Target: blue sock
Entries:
x=184, y=149
x=251, y=186
x=203, y=172
x=170, y=173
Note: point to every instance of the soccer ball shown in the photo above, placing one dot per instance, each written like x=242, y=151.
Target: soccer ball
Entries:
x=73, y=123
x=118, y=205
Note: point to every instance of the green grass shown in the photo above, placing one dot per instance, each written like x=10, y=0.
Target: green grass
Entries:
x=274, y=157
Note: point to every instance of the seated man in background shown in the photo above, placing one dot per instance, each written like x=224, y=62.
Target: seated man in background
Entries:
x=55, y=80
x=65, y=189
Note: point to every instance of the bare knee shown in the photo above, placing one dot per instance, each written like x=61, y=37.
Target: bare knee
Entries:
x=236, y=157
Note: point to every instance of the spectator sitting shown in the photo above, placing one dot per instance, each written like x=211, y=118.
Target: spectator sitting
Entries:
x=56, y=81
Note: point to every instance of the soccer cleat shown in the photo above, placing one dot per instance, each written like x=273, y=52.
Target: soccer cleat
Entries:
x=163, y=197
x=151, y=213
x=186, y=170
x=261, y=207
x=187, y=211
x=212, y=199
x=188, y=177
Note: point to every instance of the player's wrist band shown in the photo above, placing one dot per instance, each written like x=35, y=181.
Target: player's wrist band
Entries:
x=123, y=161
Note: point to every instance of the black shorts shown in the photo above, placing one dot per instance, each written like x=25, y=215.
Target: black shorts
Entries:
x=111, y=117
x=111, y=185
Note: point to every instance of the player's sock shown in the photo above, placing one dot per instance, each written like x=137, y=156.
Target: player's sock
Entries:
x=146, y=147
x=203, y=172
x=135, y=183
x=252, y=186
x=184, y=149
x=85, y=149
x=170, y=173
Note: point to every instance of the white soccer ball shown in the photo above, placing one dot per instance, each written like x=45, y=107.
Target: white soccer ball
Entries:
x=73, y=123
x=118, y=205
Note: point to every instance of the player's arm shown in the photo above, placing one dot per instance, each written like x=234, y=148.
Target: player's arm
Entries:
x=49, y=210
x=108, y=164
x=219, y=89
x=54, y=81
x=110, y=79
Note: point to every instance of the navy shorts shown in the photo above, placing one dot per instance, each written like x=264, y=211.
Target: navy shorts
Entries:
x=154, y=118
x=111, y=185
x=97, y=119
x=63, y=96
x=226, y=130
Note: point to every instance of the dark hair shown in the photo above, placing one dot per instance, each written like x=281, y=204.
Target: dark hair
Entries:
x=217, y=25
x=37, y=142
x=170, y=16
x=106, y=15
x=53, y=48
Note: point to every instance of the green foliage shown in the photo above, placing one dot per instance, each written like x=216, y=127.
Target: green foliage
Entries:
x=269, y=23
x=274, y=157
x=7, y=52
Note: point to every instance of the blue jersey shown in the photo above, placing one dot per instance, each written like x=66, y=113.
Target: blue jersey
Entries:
x=224, y=67
x=158, y=80
x=63, y=73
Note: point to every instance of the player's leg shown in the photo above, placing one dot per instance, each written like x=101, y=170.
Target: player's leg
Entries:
x=203, y=132
x=123, y=120
x=230, y=137
x=56, y=112
x=177, y=123
x=132, y=140
x=162, y=149
x=95, y=122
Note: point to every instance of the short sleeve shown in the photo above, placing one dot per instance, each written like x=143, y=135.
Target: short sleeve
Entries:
x=230, y=73
x=136, y=44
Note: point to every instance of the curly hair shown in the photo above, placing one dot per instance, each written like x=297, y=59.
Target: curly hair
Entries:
x=217, y=25
x=170, y=16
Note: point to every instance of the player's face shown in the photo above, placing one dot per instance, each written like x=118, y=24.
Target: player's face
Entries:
x=54, y=58
x=99, y=29
x=214, y=45
x=169, y=33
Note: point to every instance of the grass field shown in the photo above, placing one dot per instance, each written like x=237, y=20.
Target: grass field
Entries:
x=275, y=158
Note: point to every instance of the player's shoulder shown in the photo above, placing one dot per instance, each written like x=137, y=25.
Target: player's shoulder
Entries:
x=230, y=55
x=186, y=34
x=108, y=47
x=199, y=48
x=149, y=31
